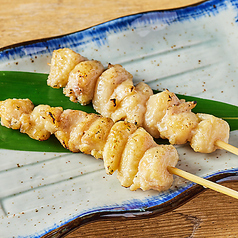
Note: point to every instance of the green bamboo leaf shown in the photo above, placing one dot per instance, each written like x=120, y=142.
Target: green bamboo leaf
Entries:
x=33, y=86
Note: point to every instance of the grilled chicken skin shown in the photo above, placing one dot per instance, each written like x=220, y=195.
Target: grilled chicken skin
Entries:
x=113, y=95
x=141, y=163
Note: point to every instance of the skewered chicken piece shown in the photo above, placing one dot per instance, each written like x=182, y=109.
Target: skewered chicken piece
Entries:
x=141, y=163
x=114, y=95
x=62, y=65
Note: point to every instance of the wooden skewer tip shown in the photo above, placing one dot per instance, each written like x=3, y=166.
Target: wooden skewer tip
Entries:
x=204, y=182
x=226, y=146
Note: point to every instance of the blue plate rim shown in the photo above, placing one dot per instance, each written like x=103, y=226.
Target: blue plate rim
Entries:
x=45, y=39
x=190, y=193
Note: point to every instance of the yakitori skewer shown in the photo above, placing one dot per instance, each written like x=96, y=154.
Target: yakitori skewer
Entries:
x=141, y=163
x=113, y=95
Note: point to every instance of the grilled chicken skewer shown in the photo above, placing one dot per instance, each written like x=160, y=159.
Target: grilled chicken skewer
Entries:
x=114, y=96
x=140, y=162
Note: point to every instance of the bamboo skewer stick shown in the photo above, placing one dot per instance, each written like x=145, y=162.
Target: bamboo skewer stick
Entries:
x=204, y=182
x=226, y=146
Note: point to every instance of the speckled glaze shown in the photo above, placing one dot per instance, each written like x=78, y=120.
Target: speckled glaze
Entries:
x=189, y=51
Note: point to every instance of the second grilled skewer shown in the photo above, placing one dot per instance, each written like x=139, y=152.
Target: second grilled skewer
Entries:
x=140, y=162
x=113, y=95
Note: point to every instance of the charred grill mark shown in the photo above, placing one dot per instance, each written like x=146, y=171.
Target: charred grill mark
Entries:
x=114, y=101
x=64, y=144
x=170, y=98
x=52, y=116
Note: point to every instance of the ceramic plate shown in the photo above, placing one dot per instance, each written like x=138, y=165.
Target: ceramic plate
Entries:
x=189, y=51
